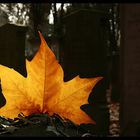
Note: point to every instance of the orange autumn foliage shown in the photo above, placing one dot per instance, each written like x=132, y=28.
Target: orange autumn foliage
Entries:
x=44, y=90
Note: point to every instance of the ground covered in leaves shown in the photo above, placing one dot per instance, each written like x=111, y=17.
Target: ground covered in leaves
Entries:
x=43, y=125
x=114, y=127
x=114, y=107
x=54, y=126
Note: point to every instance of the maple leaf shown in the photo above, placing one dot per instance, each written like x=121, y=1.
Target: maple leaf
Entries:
x=44, y=90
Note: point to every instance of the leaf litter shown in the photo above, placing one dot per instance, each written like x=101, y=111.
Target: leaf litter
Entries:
x=53, y=126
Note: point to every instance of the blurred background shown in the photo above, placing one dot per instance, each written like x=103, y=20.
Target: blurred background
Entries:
x=54, y=20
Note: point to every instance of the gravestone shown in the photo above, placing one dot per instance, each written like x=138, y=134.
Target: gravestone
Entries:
x=12, y=50
x=84, y=44
x=130, y=70
x=12, y=47
x=84, y=53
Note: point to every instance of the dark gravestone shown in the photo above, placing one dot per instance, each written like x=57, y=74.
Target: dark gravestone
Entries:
x=84, y=51
x=12, y=47
x=84, y=44
x=12, y=50
x=130, y=70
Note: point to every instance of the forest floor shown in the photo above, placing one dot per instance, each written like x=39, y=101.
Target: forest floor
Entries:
x=114, y=109
x=46, y=126
x=114, y=128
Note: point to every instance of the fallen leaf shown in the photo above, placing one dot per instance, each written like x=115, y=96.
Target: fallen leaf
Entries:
x=44, y=90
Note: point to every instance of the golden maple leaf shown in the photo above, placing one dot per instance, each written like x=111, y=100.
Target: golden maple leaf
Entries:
x=44, y=90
